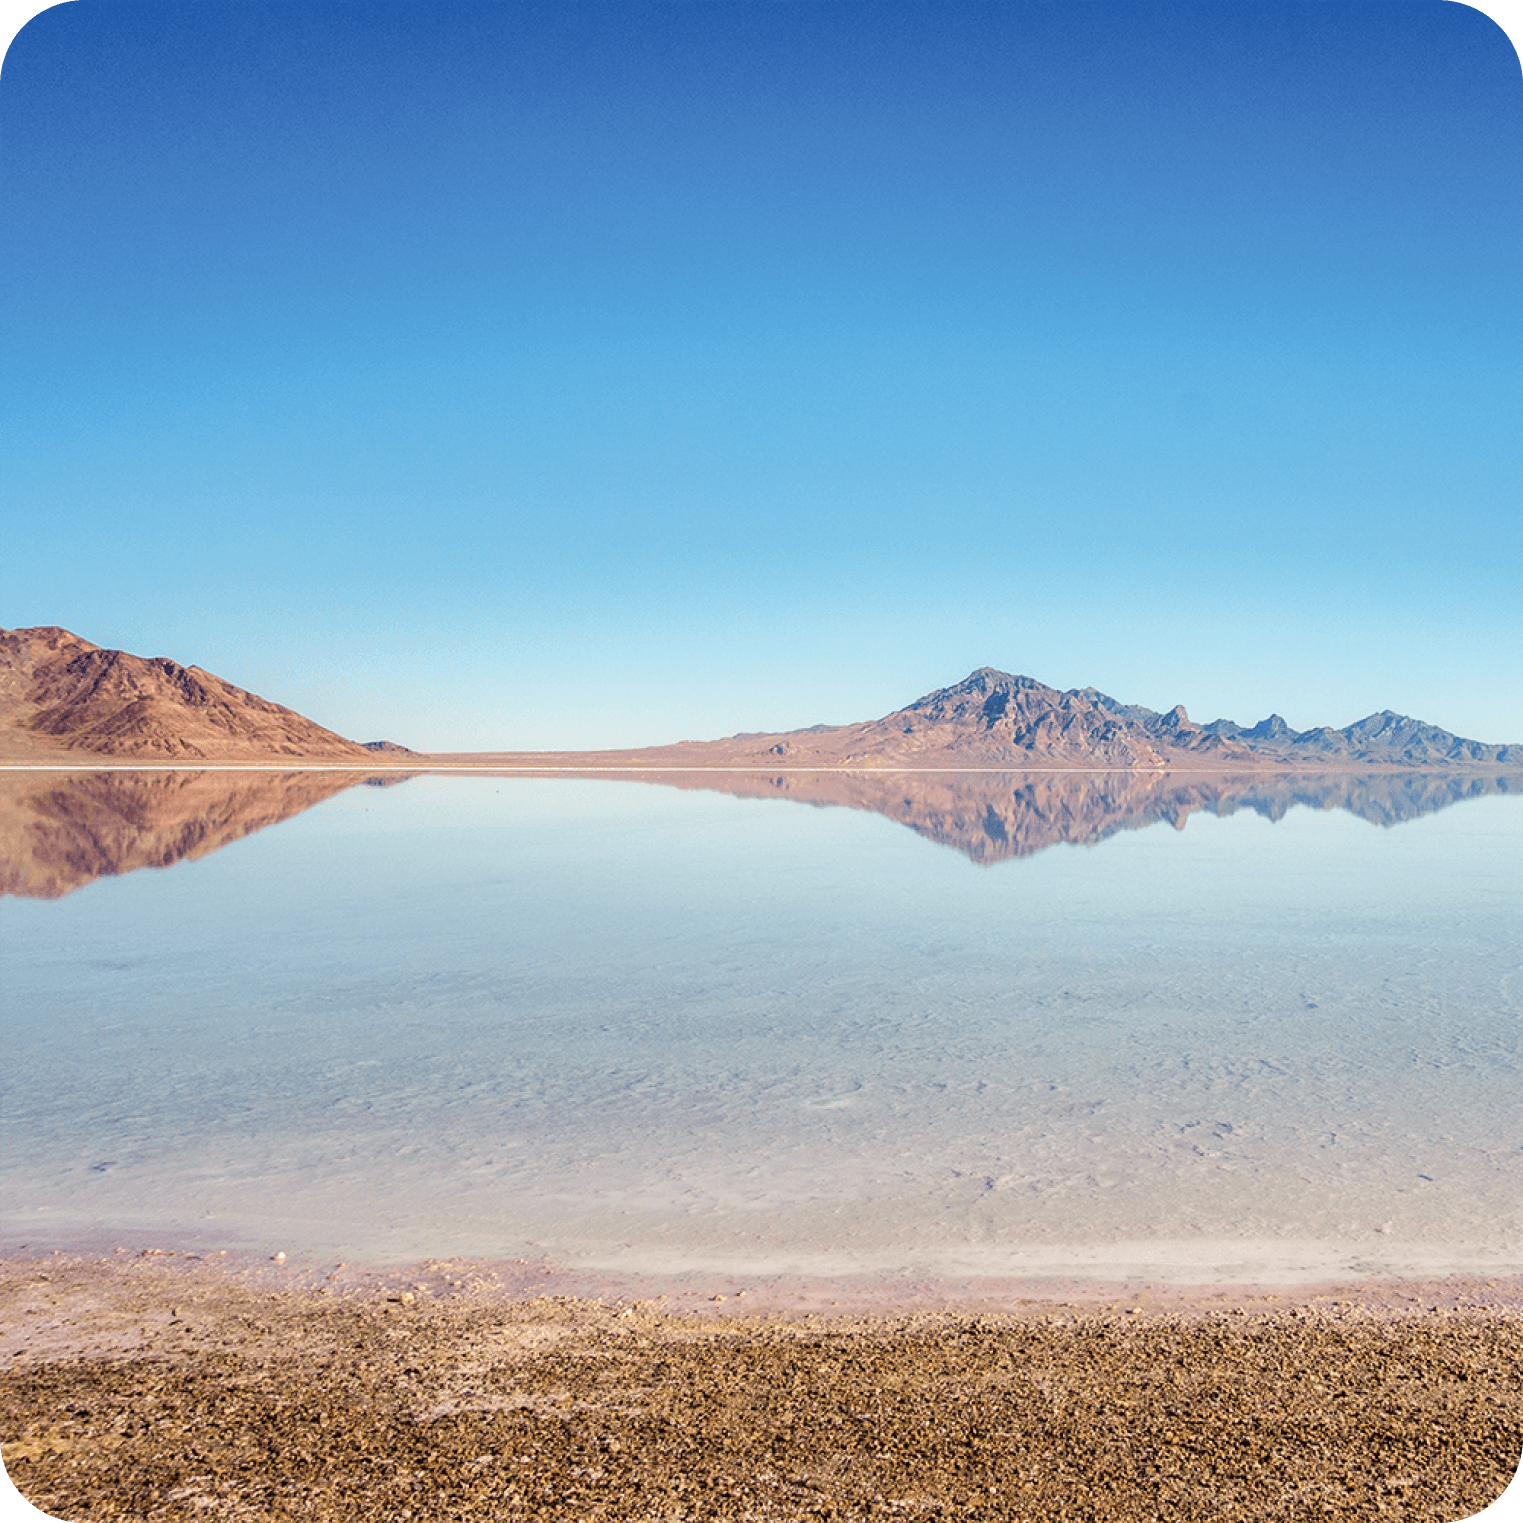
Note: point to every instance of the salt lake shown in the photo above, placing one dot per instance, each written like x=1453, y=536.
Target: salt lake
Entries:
x=655, y=1029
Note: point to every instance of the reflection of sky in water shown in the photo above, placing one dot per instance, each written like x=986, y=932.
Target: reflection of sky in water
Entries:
x=615, y=1020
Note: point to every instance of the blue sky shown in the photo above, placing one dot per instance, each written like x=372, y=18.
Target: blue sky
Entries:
x=553, y=375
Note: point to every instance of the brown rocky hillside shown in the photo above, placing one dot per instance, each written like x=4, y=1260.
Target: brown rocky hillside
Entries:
x=60, y=693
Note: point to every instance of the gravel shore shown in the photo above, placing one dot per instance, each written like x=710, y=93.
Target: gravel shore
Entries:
x=162, y=1386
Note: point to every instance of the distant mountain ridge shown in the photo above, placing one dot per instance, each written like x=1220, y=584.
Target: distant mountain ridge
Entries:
x=1387, y=737
x=1016, y=710
x=1000, y=720
x=1027, y=714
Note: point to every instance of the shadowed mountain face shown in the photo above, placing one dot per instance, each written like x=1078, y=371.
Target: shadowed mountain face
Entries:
x=59, y=831
x=61, y=693
x=1384, y=739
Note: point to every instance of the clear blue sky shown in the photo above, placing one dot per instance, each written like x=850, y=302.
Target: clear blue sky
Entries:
x=523, y=375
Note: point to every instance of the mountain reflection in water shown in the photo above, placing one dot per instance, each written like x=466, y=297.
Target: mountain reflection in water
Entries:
x=993, y=816
x=59, y=832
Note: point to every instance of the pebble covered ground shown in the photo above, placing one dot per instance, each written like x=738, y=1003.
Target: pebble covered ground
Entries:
x=142, y=1389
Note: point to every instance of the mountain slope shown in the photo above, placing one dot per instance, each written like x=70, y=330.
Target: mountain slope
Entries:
x=61, y=693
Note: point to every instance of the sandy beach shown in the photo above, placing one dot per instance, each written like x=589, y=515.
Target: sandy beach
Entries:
x=165, y=1385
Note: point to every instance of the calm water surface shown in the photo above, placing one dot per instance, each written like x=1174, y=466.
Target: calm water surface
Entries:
x=647, y=1029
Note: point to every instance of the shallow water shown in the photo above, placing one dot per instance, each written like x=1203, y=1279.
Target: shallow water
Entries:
x=647, y=1029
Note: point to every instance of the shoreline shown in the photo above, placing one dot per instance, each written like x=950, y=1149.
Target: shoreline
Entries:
x=527, y=764
x=953, y=1272
x=161, y=1385
x=774, y=1287
x=98, y=1279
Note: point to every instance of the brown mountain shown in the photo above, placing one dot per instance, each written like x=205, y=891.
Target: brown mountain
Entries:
x=995, y=720
x=61, y=693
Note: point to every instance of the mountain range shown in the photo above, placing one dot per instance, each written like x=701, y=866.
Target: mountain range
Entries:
x=61, y=694
x=992, y=719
